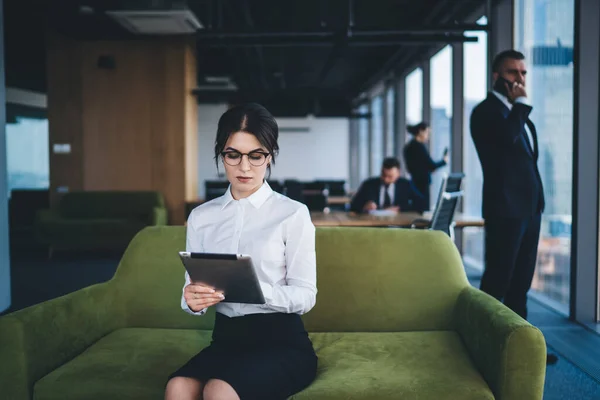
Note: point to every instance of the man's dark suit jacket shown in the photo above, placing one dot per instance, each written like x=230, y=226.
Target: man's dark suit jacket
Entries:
x=406, y=196
x=512, y=186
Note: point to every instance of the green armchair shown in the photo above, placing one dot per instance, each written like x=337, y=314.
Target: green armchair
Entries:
x=99, y=219
x=395, y=319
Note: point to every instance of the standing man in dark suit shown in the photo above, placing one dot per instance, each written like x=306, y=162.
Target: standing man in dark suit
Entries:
x=513, y=195
x=388, y=192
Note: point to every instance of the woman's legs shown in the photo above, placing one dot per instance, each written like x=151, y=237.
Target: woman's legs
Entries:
x=216, y=389
x=182, y=388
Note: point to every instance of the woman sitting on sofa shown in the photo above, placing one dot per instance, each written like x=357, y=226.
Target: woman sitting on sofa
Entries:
x=258, y=351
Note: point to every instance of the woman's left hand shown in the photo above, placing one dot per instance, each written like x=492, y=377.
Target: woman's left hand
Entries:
x=198, y=297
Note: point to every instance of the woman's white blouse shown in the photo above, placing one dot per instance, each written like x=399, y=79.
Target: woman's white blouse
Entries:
x=276, y=232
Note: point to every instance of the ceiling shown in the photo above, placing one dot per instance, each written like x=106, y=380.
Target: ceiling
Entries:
x=305, y=56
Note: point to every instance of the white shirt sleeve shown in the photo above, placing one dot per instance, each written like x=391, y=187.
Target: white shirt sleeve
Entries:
x=193, y=243
x=299, y=293
x=522, y=100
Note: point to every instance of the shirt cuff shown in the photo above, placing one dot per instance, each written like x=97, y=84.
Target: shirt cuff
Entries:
x=188, y=310
x=522, y=100
x=267, y=291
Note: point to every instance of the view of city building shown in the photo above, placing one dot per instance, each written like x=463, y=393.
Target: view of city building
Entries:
x=544, y=32
x=28, y=154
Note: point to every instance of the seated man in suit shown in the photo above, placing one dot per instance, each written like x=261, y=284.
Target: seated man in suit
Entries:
x=388, y=192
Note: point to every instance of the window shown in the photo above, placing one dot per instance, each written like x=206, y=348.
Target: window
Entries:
x=441, y=113
x=376, y=134
x=28, y=159
x=363, y=145
x=390, y=136
x=544, y=32
x=475, y=90
x=414, y=98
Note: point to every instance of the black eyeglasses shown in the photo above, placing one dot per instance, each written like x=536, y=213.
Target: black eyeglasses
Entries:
x=255, y=158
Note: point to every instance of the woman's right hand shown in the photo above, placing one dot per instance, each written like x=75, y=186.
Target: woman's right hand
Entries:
x=198, y=297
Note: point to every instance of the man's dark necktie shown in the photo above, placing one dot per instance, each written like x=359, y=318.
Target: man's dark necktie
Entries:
x=387, y=201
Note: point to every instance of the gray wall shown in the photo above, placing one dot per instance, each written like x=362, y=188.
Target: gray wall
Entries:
x=4, y=256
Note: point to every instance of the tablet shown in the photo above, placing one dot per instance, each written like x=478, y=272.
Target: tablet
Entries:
x=232, y=274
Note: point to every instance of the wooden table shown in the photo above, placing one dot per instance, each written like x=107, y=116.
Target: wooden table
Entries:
x=336, y=218
x=338, y=200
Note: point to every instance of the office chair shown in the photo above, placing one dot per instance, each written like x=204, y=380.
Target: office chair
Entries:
x=214, y=189
x=315, y=202
x=454, y=182
x=334, y=187
x=443, y=215
x=293, y=189
x=276, y=186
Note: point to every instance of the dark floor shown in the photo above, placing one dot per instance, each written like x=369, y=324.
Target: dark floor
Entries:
x=575, y=376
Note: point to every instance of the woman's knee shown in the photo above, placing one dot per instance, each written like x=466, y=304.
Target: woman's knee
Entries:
x=183, y=388
x=218, y=389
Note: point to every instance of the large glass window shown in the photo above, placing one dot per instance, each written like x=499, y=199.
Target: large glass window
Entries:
x=363, y=145
x=414, y=97
x=544, y=32
x=390, y=134
x=441, y=113
x=377, y=134
x=27, y=151
x=475, y=89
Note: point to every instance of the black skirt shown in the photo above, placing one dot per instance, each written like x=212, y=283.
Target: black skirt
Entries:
x=262, y=356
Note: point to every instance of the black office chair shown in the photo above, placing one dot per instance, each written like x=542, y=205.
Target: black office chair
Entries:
x=315, y=202
x=334, y=188
x=293, y=190
x=443, y=215
x=454, y=182
x=214, y=189
x=276, y=186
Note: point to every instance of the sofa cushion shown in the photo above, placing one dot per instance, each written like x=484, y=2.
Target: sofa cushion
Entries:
x=394, y=365
x=134, y=363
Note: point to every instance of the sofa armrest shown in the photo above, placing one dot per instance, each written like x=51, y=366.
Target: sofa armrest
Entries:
x=159, y=216
x=509, y=352
x=36, y=340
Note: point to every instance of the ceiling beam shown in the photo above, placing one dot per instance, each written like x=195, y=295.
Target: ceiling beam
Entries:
x=258, y=49
x=421, y=29
x=391, y=40
x=441, y=13
x=339, y=46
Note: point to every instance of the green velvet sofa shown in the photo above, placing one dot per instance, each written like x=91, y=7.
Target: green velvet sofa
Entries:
x=99, y=219
x=395, y=319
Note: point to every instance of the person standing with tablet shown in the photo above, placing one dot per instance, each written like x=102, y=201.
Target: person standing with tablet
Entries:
x=419, y=163
x=258, y=351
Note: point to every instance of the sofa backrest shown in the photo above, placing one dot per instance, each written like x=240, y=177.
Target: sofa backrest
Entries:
x=369, y=279
x=110, y=204
x=378, y=279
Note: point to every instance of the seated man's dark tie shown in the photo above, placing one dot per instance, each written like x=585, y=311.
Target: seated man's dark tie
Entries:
x=387, y=201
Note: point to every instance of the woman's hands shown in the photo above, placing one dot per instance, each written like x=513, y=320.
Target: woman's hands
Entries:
x=198, y=297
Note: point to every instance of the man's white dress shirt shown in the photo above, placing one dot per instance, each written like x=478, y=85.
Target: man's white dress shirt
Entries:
x=276, y=232
x=391, y=190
